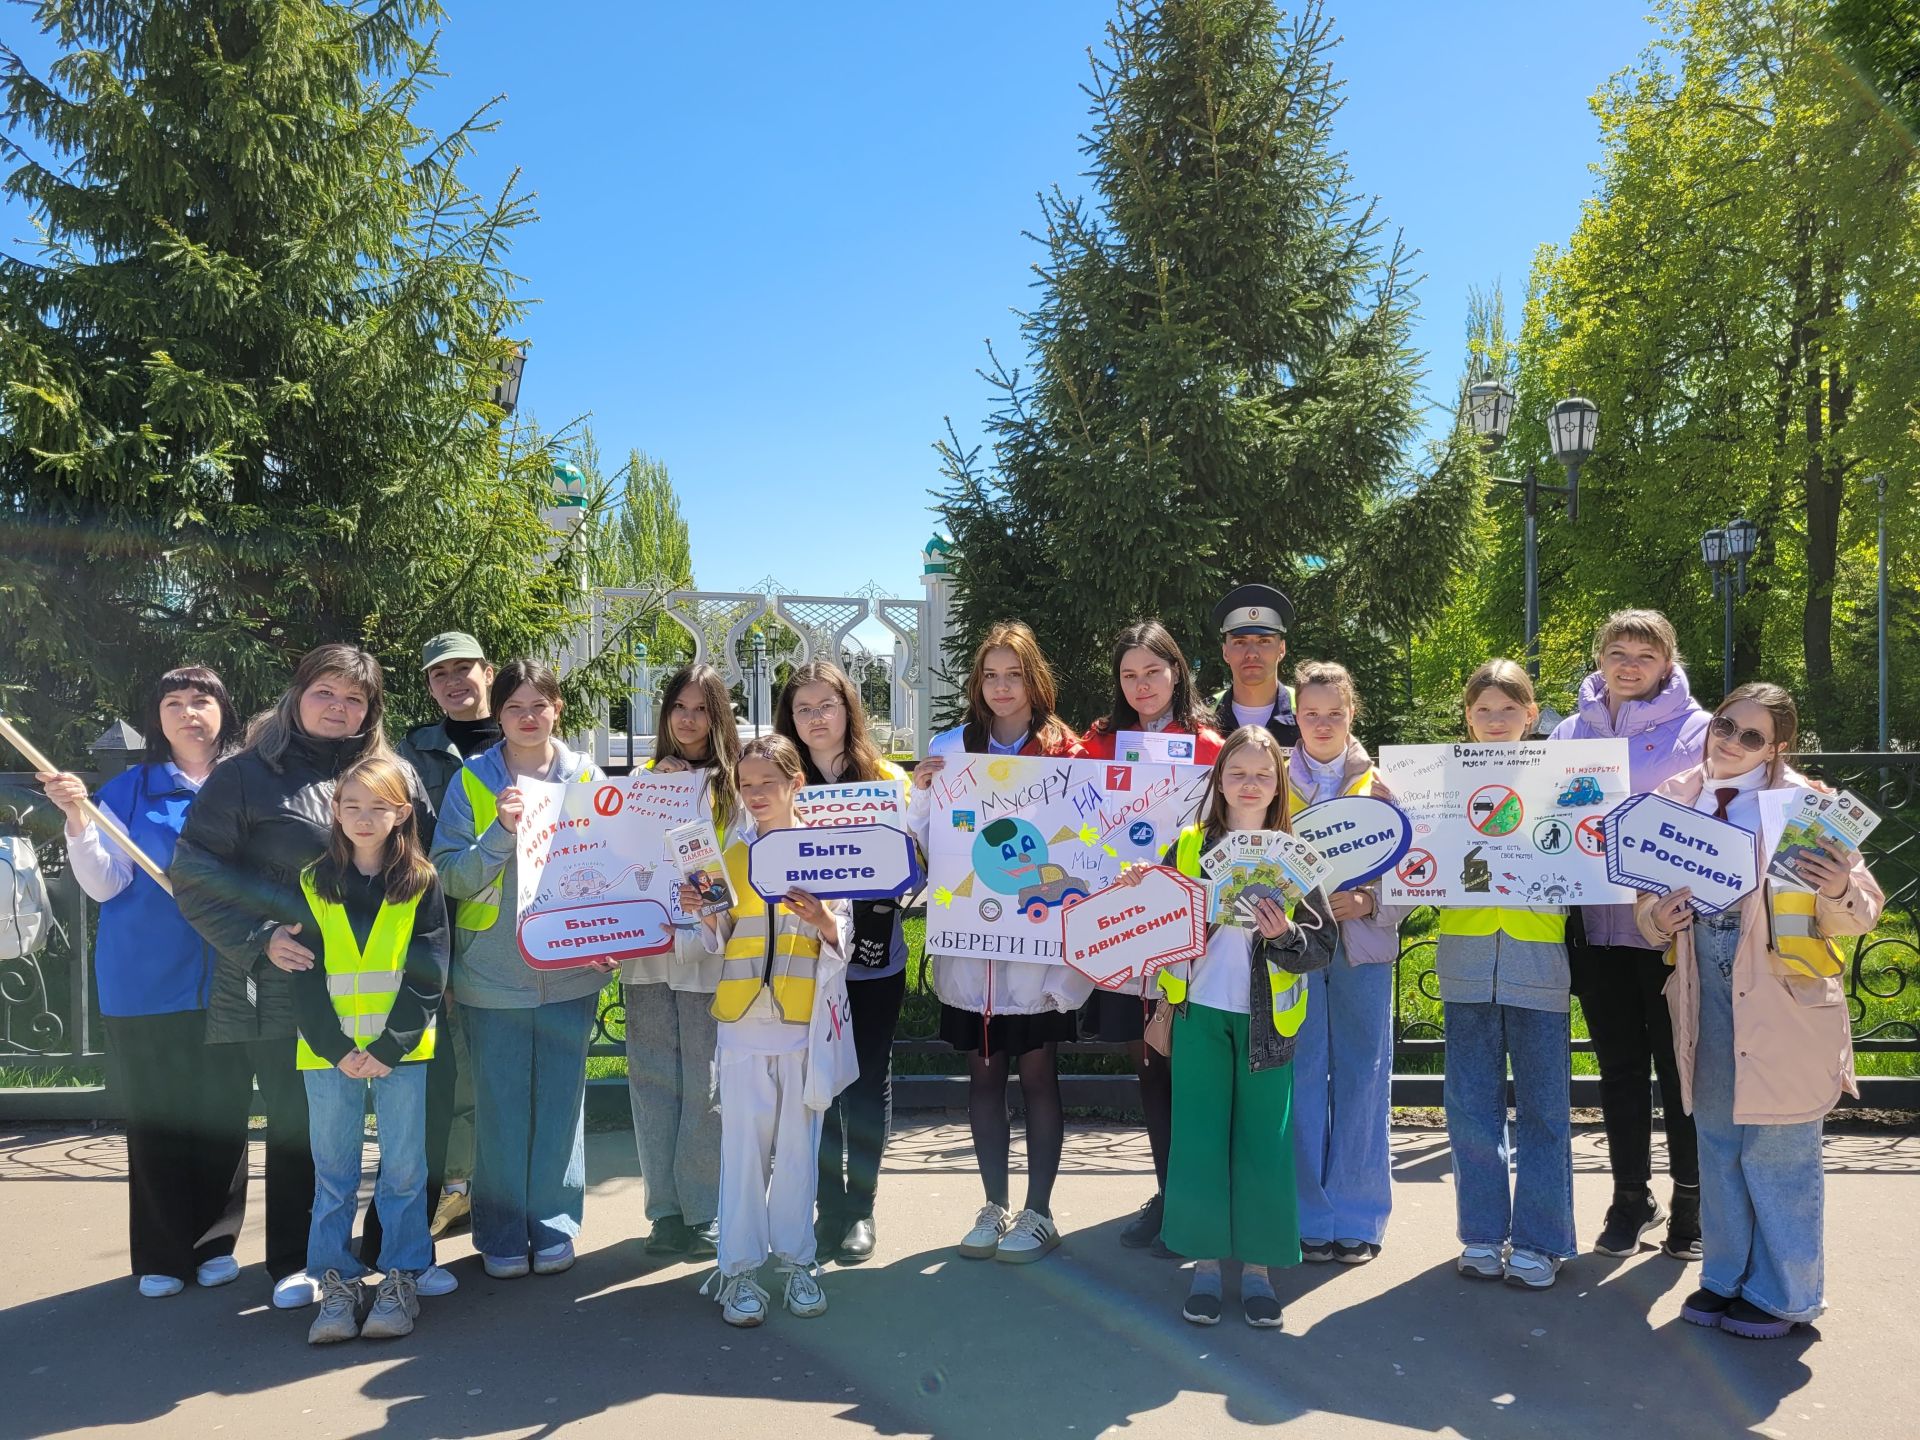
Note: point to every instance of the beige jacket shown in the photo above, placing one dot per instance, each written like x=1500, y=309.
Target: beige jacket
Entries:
x=1792, y=1032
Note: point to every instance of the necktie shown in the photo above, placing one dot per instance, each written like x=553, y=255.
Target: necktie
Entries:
x=1725, y=797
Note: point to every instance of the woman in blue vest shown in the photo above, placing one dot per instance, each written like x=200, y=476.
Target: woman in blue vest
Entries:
x=186, y=1101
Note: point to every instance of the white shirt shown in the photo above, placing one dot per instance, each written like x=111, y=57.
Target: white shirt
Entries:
x=1223, y=977
x=1744, y=809
x=1320, y=782
x=1252, y=714
x=103, y=870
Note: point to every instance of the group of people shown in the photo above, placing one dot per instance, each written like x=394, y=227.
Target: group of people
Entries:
x=335, y=927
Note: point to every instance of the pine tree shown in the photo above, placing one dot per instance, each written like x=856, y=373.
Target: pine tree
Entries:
x=247, y=375
x=1221, y=387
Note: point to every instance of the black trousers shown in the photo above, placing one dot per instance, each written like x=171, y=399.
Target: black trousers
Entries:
x=1619, y=987
x=853, y=1132
x=186, y=1104
x=444, y=1092
x=283, y=1092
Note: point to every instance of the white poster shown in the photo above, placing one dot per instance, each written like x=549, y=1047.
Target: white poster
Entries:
x=1015, y=837
x=598, y=880
x=1509, y=824
x=857, y=802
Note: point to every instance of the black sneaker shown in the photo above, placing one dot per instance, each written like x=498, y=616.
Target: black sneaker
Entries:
x=1352, y=1252
x=1144, y=1229
x=1262, y=1312
x=1628, y=1218
x=1705, y=1308
x=1201, y=1310
x=1683, y=1228
x=671, y=1236
x=1316, y=1252
x=704, y=1241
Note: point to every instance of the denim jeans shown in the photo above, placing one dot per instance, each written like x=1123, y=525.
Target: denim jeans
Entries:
x=1762, y=1188
x=529, y=1132
x=1342, y=1075
x=336, y=1125
x=1538, y=1213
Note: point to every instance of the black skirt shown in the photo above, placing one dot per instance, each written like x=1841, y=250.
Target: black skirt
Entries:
x=1007, y=1034
x=1114, y=1015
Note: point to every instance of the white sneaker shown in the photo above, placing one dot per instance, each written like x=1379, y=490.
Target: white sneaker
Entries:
x=158, y=1287
x=742, y=1301
x=1481, y=1262
x=1536, y=1272
x=296, y=1291
x=1033, y=1235
x=804, y=1296
x=396, y=1305
x=221, y=1270
x=339, y=1317
x=983, y=1239
x=434, y=1281
x=504, y=1267
x=553, y=1259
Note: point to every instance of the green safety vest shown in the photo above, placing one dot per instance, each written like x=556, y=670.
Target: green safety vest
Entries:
x=1534, y=926
x=1289, y=1004
x=362, y=983
x=480, y=912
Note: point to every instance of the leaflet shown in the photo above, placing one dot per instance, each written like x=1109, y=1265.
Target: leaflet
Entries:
x=1812, y=817
x=1248, y=866
x=696, y=850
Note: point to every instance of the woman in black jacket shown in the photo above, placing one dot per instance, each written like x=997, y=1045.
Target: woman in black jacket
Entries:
x=260, y=819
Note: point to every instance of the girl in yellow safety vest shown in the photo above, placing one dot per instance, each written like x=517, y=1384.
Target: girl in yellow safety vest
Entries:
x=777, y=961
x=1230, y=1173
x=1505, y=985
x=366, y=1014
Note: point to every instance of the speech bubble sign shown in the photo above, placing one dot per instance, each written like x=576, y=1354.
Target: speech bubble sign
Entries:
x=1657, y=845
x=1119, y=936
x=881, y=802
x=1359, y=837
x=569, y=936
x=834, y=862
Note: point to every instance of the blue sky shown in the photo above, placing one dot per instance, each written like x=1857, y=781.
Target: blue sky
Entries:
x=774, y=237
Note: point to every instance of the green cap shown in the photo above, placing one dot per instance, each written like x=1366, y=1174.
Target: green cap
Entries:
x=453, y=645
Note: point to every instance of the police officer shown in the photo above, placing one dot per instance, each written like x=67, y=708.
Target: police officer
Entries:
x=1253, y=622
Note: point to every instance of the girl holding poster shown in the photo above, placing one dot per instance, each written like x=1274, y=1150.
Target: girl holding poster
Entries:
x=777, y=961
x=1230, y=1177
x=1001, y=1011
x=668, y=997
x=1638, y=692
x=528, y=1029
x=1761, y=1032
x=1504, y=985
x=820, y=711
x=1343, y=1070
x=1153, y=692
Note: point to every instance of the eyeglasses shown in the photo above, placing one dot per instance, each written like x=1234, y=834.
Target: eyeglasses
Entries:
x=1725, y=729
x=818, y=712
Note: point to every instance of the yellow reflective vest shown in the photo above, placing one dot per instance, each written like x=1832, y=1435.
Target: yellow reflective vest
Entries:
x=482, y=910
x=761, y=952
x=1289, y=1000
x=362, y=983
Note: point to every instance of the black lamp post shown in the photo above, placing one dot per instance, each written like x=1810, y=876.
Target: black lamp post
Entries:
x=506, y=391
x=1725, y=551
x=1572, y=426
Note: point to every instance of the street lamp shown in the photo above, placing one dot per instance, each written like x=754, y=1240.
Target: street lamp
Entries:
x=1572, y=426
x=1725, y=551
x=506, y=391
x=759, y=674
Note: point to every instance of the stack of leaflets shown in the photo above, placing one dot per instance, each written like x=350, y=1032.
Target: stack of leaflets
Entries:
x=696, y=850
x=1248, y=866
x=1811, y=817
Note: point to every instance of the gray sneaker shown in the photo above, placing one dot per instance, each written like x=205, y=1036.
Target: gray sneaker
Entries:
x=395, y=1304
x=339, y=1317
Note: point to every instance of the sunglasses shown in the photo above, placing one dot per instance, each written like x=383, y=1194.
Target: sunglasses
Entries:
x=1725, y=729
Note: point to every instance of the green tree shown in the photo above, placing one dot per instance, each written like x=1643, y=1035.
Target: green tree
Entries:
x=247, y=373
x=642, y=545
x=1221, y=387
x=1881, y=40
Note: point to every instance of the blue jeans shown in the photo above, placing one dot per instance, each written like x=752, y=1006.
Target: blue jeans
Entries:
x=336, y=1127
x=1538, y=1214
x=1342, y=1075
x=529, y=1124
x=1762, y=1188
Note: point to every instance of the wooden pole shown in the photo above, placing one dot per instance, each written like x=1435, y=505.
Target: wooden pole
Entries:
x=109, y=826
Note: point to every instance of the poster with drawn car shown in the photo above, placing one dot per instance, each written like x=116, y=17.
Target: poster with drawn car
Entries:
x=1013, y=838
x=597, y=878
x=1509, y=824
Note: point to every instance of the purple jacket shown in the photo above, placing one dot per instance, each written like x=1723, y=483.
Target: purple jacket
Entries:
x=1665, y=735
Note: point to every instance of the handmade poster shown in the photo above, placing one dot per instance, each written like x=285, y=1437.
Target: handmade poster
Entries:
x=597, y=880
x=1014, y=838
x=1154, y=747
x=1513, y=824
x=834, y=862
x=696, y=851
x=1658, y=845
x=860, y=802
x=1248, y=866
x=1121, y=935
x=1358, y=836
x=1811, y=817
